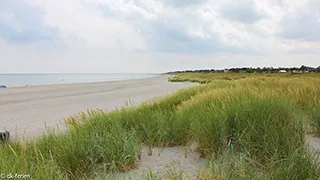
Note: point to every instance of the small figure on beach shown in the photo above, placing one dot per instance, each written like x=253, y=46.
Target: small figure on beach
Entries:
x=4, y=137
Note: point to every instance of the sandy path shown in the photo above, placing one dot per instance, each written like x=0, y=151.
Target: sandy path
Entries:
x=314, y=145
x=165, y=163
x=27, y=108
x=314, y=142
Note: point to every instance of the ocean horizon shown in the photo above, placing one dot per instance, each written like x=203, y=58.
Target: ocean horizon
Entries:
x=19, y=80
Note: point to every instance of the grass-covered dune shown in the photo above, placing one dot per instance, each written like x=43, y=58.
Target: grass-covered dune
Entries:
x=249, y=126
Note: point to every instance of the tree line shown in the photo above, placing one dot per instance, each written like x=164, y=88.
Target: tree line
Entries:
x=302, y=69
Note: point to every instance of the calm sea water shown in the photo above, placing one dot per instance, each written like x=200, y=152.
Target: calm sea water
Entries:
x=16, y=80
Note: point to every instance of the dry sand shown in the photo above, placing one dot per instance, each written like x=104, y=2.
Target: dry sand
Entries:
x=164, y=163
x=25, y=110
x=314, y=144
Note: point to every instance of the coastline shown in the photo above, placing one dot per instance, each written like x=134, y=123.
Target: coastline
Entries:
x=26, y=110
x=73, y=81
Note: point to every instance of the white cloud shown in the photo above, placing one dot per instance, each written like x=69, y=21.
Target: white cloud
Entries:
x=9, y=19
x=156, y=35
x=76, y=21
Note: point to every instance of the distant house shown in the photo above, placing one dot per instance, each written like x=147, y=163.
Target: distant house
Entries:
x=297, y=71
x=282, y=71
x=310, y=70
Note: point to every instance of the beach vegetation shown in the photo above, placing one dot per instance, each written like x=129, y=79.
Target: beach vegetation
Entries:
x=249, y=126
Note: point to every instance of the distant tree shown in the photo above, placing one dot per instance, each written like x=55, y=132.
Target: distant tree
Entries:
x=303, y=68
x=253, y=70
x=250, y=70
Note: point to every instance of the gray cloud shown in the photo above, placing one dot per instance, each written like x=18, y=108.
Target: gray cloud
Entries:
x=24, y=36
x=30, y=20
x=170, y=35
x=173, y=38
x=304, y=27
x=244, y=13
x=183, y=3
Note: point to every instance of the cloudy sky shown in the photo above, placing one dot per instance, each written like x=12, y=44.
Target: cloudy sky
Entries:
x=156, y=35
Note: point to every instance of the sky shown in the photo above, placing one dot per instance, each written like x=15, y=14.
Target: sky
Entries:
x=153, y=36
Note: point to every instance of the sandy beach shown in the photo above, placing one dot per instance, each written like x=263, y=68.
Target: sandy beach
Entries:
x=26, y=110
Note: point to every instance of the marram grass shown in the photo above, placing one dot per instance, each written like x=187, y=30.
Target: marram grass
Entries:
x=250, y=126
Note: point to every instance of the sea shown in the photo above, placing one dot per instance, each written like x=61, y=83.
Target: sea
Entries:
x=18, y=80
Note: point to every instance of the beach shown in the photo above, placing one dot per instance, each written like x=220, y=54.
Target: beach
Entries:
x=185, y=135
x=28, y=110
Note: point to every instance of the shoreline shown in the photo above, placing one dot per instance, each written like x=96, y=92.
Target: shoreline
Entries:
x=30, y=108
x=77, y=83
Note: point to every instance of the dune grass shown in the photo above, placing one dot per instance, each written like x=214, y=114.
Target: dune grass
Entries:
x=250, y=127
x=315, y=118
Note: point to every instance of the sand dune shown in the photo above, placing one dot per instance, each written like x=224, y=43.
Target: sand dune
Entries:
x=165, y=162
x=25, y=110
